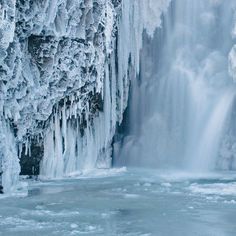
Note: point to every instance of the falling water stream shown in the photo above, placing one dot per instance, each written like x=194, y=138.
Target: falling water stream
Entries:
x=181, y=104
x=181, y=115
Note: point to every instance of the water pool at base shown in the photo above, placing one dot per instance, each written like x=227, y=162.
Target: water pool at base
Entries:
x=131, y=202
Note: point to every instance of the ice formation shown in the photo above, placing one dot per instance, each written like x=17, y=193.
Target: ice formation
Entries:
x=65, y=72
x=55, y=80
x=65, y=67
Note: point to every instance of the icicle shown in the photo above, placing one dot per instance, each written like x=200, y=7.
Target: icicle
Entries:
x=20, y=147
x=93, y=148
x=27, y=146
x=9, y=162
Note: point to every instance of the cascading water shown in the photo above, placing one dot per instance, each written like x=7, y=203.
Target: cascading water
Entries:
x=182, y=102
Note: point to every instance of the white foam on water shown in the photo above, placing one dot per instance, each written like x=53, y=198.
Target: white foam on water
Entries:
x=220, y=189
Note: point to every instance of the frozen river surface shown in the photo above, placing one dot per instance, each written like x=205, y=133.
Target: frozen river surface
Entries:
x=124, y=202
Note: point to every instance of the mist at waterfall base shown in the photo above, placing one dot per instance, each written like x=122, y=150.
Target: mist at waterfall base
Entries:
x=181, y=113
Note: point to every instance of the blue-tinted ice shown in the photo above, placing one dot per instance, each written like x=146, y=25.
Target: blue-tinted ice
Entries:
x=118, y=202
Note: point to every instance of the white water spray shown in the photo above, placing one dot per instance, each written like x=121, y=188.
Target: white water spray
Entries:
x=181, y=104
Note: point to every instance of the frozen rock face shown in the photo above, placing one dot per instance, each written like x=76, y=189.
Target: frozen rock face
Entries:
x=55, y=75
x=65, y=69
x=56, y=48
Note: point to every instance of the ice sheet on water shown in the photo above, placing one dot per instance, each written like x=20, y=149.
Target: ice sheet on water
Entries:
x=221, y=189
x=103, y=172
x=177, y=175
x=90, y=173
x=122, y=205
x=20, y=190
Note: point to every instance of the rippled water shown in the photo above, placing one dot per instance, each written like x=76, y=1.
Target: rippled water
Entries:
x=125, y=202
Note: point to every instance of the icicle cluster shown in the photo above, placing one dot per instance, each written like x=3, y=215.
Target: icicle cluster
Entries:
x=137, y=16
x=52, y=52
x=65, y=67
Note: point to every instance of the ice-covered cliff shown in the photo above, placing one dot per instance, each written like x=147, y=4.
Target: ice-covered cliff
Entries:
x=55, y=59
x=65, y=67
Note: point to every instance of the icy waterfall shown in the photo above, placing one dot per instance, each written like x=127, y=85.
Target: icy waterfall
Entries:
x=68, y=70
x=181, y=109
x=65, y=71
